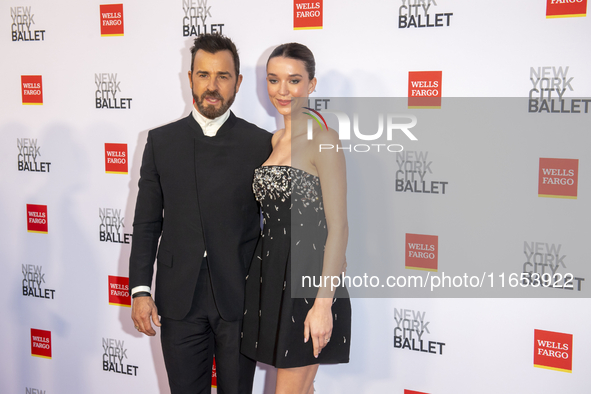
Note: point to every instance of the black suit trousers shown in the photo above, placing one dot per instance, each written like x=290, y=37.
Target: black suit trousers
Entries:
x=189, y=345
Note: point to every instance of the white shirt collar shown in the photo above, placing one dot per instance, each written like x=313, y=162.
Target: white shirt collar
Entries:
x=210, y=127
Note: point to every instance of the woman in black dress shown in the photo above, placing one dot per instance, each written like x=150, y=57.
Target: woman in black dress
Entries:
x=302, y=191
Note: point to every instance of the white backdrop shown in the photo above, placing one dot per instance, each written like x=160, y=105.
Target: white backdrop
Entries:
x=488, y=50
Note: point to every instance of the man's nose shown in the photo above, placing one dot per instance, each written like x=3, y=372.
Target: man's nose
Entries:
x=212, y=84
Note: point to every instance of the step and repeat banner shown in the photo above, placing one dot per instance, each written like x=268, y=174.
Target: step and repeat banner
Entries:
x=465, y=126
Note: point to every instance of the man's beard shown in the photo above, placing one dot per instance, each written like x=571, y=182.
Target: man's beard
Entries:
x=209, y=111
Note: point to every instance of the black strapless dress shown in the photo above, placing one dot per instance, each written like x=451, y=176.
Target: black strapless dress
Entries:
x=273, y=326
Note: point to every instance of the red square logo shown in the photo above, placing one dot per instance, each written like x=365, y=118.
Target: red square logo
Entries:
x=307, y=14
x=119, y=291
x=40, y=343
x=424, y=89
x=111, y=20
x=565, y=8
x=32, y=89
x=553, y=350
x=421, y=252
x=558, y=178
x=214, y=376
x=116, y=158
x=37, y=218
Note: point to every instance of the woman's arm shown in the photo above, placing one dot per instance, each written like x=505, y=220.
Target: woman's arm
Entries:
x=330, y=165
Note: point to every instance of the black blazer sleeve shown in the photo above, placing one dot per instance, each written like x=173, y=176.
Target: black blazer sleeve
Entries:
x=147, y=224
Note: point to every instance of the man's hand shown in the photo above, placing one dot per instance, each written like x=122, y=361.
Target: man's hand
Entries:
x=142, y=309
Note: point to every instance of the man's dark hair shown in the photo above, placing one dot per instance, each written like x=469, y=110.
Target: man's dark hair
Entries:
x=296, y=51
x=214, y=43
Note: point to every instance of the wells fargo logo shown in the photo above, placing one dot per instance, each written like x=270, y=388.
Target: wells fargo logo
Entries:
x=558, y=178
x=40, y=343
x=424, y=89
x=566, y=8
x=111, y=20
x=116, y=158
x=37, y=218
x=553, y=350
x=307, y=14
x=32, y=89
x=421, y=252
x=119, y=291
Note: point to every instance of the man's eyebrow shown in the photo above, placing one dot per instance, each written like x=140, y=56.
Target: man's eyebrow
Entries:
x=218, y=73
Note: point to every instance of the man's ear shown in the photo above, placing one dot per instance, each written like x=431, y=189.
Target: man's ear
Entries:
x=238, y=82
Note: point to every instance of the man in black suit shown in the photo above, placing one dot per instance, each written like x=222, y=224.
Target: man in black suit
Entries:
x=195, y=195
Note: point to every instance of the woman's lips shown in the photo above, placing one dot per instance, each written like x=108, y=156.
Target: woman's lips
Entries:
x=284, y=103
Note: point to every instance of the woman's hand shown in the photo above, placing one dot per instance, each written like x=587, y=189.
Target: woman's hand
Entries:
x=318, y=324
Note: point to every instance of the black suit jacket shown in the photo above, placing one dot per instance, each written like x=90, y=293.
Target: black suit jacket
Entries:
x=195, y=194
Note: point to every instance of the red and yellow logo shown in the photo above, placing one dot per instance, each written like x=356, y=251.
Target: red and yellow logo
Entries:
x=32, y=89
x=40, y=343
x=214, y=375
x=566, y=8
x=37, y=218
x=116, y=158
x=424, y=89
x=307, y=14
x=111, y=20
x=421, y=252
x=553, y=350
x=119, y=291
x=558, y=178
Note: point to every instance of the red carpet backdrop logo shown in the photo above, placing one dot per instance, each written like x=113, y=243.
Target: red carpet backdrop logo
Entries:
x=111, y=227
x=40, y=343
x=22, y=25
x=566, y=8
x=34, y=282
x=411, y=176
x=116, y=158
x=548, y=93
x=558, y=178
x=214, y=375
x=195, y=14
x=424, y=89
x=421, y=13
x=421, y=252
x=115, y=357
x=37, y=218
x=111, y=20
x=32, y=89
x=553, y=350
x=28, y=153
x=307, y=14
x=412, y=332
x=547, y=266
x=107, y=88
x=119, y=291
